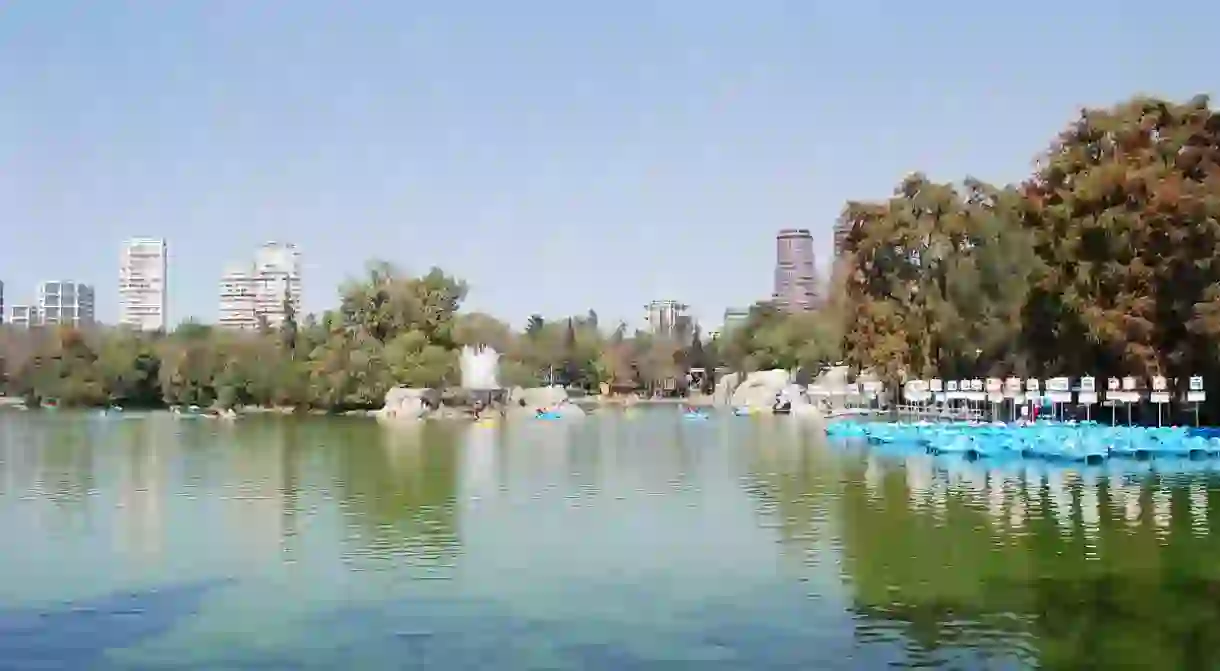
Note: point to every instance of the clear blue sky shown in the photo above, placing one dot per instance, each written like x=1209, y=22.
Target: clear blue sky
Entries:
x=560, y=156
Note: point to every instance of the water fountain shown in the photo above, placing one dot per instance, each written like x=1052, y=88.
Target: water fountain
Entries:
x=480, y=369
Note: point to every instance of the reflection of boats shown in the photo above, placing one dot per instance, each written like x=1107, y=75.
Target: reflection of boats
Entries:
x=1071, y=442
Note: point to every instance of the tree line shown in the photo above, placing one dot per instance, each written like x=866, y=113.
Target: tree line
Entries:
x=1103, y=261
x=389, y=329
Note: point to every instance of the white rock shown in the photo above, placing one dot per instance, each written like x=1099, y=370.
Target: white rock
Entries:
x=759, y=390
x=554, y=399
x=404, y=403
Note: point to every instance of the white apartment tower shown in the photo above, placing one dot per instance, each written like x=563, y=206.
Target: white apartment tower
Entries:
x=256, y=292
x=142, y=284
x=65, y=302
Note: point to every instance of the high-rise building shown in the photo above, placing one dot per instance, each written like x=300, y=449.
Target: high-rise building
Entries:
x=237, y=298
x=796, y=287
x=142, y=284
x=2, y=312
x=252, y=294
x=23, y=316
x=65, y=302
x=668, y=318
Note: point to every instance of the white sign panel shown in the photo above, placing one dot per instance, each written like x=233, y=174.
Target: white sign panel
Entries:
x=1012, y=387
x=995, y=397
x=1087, y=398
x=936, y=385
x=1158, y=384
x=1058, y=384
x=1196, y=396
x=1196, y=383
x=1032, y=385
x=994, y=385
x=1113, y=384
x=1088, y=385
x=952, y=386
x=1159, y=397
x=1128, y=384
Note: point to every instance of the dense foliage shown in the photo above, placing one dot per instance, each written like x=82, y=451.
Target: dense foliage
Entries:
x=1103, y=262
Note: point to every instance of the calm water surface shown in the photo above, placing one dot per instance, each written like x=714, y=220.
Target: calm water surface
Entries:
x=618, y=543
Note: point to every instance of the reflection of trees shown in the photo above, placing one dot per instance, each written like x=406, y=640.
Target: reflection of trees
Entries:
x=1129, y=595
x=399, y=484
x=65, y=458
x=793, y=478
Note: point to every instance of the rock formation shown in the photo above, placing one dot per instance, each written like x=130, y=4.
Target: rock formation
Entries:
x=405, y=403
x=526, y=402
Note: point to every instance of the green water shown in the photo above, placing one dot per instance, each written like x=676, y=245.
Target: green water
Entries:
x=613, y=543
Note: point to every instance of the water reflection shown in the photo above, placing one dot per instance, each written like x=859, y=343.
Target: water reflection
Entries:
x=621, y=541
x=398, y=488
x=1032, y=561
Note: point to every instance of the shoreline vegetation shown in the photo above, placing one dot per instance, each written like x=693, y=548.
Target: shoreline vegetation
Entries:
x=1103, y=262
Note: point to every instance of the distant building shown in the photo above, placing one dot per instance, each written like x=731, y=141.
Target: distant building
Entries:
x=142, y=284
x=65, y=302
x=250, y=294
x=734, y=318
x=796, y=288
x=2, y=313
x=23, y=316
x=237, y=298
x=668, y=318
x=842, y=230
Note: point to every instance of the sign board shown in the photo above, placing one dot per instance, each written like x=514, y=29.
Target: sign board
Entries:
x=1159, y=397
x=942, y=397
x=1060, y=396
x=936, y=386
x=994, y=385
x=976, y=385
x=1087, y=398
x=995, y=397
x=952, y=386
x=1128, y=384
x=1196, y=383
x=1058, y=384
x=1112, y=384
x=1123, y=396
x=1196, y=396
x=1088, y=385
x=1032, y=385
x=1158, y=384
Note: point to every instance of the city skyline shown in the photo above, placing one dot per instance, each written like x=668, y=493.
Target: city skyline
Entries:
x=252, y=291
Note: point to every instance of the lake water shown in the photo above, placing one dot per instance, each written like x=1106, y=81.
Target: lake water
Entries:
x=641, y=542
